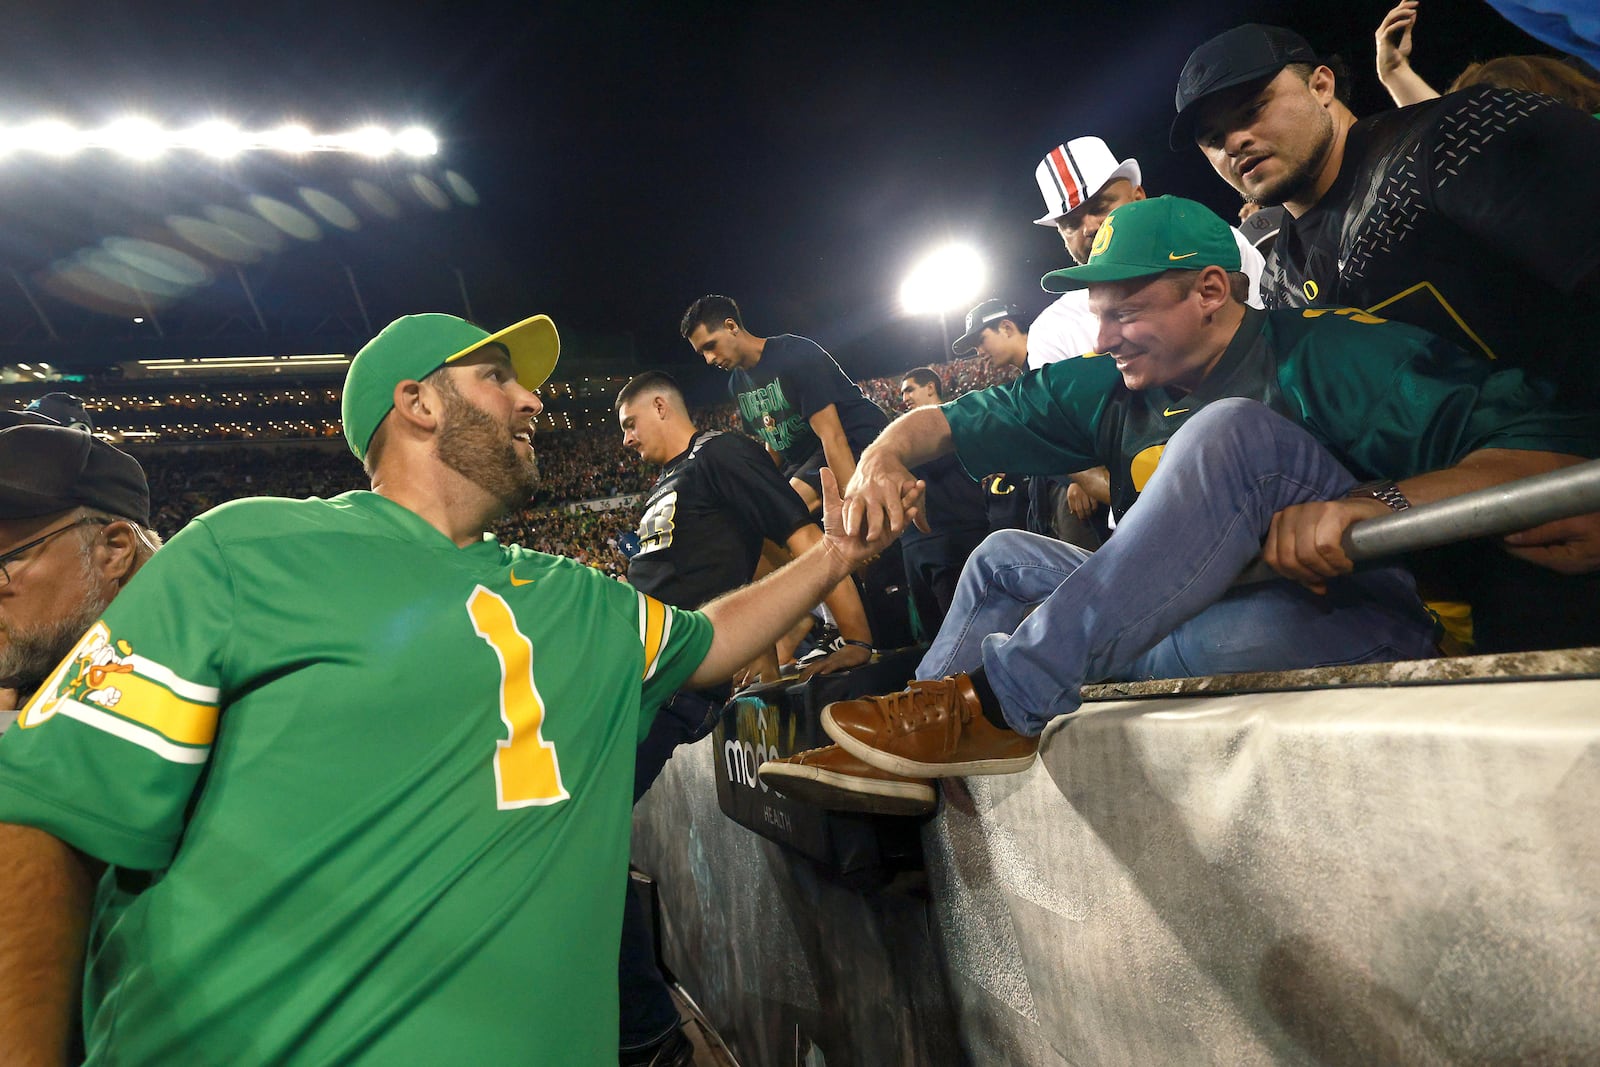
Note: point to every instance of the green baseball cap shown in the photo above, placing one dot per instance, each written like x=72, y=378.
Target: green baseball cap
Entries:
x=1148, y=237
x=413, y=347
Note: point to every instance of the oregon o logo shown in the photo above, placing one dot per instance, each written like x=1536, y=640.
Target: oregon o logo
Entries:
x=1310, y=289
x=1102, y=237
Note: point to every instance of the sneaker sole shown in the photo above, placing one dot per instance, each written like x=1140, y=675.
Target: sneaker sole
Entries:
x=887, y=761
x=845, y=792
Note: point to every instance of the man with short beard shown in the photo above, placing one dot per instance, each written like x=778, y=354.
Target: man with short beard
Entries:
x=1475, y=216
x=362, y=771
x=74, y=528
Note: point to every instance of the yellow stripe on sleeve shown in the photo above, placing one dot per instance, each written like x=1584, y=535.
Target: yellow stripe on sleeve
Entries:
x=652, y=631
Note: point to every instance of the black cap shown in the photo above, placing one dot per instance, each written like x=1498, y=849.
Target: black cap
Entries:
x=1244, y=54
x=64, y=408
x=979, y=318
x=47, y=468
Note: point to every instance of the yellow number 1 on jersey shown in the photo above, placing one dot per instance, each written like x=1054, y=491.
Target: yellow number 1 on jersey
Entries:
x=526, y=771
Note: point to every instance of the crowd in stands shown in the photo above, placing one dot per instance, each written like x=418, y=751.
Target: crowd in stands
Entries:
x=574, y=466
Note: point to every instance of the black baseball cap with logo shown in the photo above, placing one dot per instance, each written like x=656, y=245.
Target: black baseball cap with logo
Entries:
x=46, y=468
x=1244, y=54
x=985, y=315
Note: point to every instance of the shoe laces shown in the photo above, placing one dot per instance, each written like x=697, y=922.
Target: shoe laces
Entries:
x=902, y=709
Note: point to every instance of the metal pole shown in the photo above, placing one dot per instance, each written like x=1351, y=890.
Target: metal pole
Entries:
x=1500, y=509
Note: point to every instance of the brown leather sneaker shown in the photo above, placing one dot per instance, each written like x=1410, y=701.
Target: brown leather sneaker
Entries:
x=832, y=778
x=931, y=730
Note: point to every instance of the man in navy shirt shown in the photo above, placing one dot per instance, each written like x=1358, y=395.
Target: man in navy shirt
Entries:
x=791, y=395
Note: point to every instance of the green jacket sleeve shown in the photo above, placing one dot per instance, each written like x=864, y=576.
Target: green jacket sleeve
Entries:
x=1045, y=422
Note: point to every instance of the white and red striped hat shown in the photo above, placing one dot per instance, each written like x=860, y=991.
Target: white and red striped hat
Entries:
x=1074, y=172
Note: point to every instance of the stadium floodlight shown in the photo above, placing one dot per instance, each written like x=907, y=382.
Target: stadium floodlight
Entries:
x=134, y=137
x=290, y=137
x=416, y=142
x=216, y=138
x=51, y=137
x=374, y=141
x=141, y=138
x=947, y=279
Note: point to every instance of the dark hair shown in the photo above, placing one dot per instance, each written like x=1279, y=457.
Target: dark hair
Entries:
x=710, y=311
x=1186, y=280
x=1536, y=74
x=1342, y=82
x=925, y=376
x=653, y=381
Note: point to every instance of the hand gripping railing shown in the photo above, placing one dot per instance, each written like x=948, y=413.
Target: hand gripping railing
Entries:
x=1500, y=509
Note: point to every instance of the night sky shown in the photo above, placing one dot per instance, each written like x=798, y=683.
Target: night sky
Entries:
x=625, y=158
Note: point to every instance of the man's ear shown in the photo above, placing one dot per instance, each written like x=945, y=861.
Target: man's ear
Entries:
x=1214, y=288
x=731, y=326
x=662, y=408
x=416, y=404
x=117, y=552
x=1322, y=85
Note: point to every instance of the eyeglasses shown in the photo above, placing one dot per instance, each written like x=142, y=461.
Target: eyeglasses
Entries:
x=10, y=557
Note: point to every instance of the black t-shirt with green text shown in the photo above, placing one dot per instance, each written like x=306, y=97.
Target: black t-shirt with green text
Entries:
x=794, y=379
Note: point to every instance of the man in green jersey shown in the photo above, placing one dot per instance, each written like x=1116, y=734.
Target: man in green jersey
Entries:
x=1237, y=431
x=359, y=774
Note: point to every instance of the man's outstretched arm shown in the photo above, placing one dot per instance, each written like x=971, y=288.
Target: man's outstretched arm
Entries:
x=884, y=487
x=749, y=619
x=46, y=892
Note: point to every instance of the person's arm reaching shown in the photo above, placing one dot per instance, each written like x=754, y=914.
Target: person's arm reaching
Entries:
x=884, y=491
x=835, y=447
x=1304, y=541
x=46, y=891
x=749, y=619
x=1405, y=85
x=844, y=603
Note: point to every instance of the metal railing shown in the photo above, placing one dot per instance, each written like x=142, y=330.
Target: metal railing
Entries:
x=1500, y=509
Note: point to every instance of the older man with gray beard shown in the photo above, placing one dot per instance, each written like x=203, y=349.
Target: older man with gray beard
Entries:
x=74, y=528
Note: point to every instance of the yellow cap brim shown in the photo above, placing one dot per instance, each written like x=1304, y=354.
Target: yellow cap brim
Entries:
x=533, y=345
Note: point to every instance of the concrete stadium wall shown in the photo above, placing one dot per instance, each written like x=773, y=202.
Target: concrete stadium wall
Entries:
x=1361, y=875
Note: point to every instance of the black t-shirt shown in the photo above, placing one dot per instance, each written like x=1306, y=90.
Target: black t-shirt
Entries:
x=706, y=517
x=953, y=503
x=794, y=379
x=1474, y=216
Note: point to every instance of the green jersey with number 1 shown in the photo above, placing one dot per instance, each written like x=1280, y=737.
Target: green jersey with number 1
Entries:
x=367, y=794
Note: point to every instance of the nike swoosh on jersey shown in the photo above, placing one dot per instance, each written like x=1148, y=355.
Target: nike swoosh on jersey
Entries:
x=1165, y=411
x=1175, y=257
x=521, y=581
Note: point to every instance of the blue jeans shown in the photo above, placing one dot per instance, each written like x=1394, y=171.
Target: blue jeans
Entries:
x=1043, y=618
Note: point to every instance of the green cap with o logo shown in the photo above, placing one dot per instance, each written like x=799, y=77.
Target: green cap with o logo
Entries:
x=1150, y=236
x=413, y=347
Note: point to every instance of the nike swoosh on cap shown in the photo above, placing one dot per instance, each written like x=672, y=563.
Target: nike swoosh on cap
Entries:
x=1174, y=256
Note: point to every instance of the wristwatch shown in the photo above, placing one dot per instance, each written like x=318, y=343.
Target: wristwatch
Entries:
x=1387, y=493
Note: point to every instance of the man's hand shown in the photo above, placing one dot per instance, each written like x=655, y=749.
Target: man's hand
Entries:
x=842, y=660
x=1079, y=502
x=1394, y=38
x=1567, y=546
x=1304, y=542
x=882, y=495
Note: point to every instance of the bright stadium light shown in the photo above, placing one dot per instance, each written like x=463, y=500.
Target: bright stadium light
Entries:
x=51, y=137
x=374, y=141
x=945, y=280
x=136, y=138
x=140, y=138
x=290, y=137
x=221, y=139
x=416, y=141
